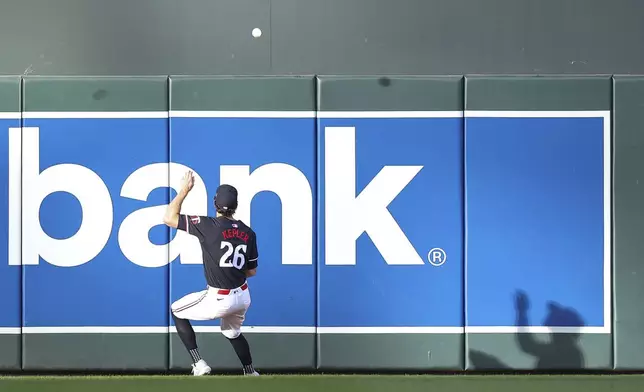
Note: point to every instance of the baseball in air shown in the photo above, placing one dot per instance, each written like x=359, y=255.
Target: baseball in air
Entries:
x=257, y=32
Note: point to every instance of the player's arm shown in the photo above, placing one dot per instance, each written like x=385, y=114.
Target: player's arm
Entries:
x=251, y=264
x=171, y=216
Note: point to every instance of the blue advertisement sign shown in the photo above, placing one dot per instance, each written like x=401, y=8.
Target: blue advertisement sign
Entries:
x=362, y=221
x=76, y=272
x=271, y=161
x=10, y=273
x=390, y=222
x=538, y=220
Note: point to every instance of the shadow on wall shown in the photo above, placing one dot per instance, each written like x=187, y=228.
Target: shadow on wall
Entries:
x=560, y=351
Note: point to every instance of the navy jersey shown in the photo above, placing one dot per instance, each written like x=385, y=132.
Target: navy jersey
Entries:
x=229, y=248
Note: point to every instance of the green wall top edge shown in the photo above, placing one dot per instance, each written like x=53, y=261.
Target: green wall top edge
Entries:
x=92, y=77
x=628, y=77
x=291, y=93
x=548, y=93
x=537, y=76
x=319, y=76
x=150, y=93
x=389, y=76
x=10, y=94
x=384, y=93
x=238, y=77
x=102, y=94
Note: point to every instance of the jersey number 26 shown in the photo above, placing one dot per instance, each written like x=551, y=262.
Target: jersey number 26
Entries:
x=238, y=259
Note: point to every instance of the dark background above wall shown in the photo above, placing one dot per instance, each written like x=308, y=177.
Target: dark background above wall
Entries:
x=207, y=37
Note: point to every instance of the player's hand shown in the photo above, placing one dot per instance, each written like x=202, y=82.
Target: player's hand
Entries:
x=188, y=181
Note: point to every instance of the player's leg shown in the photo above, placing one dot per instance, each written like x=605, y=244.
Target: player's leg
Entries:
x=190, y=307
x=231, y=328
x=189, y=339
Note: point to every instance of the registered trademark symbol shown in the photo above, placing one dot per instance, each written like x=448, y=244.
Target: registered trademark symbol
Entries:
x=437, y=257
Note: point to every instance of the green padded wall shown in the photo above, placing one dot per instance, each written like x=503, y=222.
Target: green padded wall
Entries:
x=10, y=342
x=87, y=94
x=536, y=93
x=628, y=229
x=250, y=93
x=10, y=87
x=244, y=94
x=473, y=351
x=101, y=351
x=395, y=351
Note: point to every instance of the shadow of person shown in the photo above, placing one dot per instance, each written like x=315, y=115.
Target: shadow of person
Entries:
x=562, y=351
x=484, y=361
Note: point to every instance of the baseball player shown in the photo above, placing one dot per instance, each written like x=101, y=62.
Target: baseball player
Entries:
x=229, y=258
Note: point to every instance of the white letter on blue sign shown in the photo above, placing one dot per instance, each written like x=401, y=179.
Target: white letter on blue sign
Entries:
x=133, y=233
x=346, y=216
x=90, y=191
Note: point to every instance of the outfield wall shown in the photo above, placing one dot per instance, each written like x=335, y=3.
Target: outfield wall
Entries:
x=407, y=223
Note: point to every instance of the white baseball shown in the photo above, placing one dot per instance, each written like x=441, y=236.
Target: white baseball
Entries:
x=257, y=32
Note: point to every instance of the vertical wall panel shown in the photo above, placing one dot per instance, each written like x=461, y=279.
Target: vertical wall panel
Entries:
x=257, y=134
x=10, y=272
x=538, y=222
x=94, y=249
x=390, y=287
x=629, y=221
